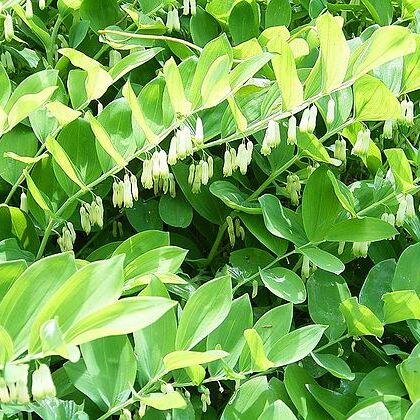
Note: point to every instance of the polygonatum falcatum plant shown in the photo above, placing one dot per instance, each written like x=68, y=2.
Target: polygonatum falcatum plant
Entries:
x=209, y=209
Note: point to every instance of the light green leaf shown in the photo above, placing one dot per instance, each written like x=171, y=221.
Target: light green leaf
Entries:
x=401, y=306
x=215, y=85
x=381, y=10
x=374, y=101
x=284, y=283
x=158, y=401
x=259, y=361
x=182, y=359
x=401, y=169
x=360, y=319
x=407, y=274
x=122, y=317
x=204, y=312
x=284, y=67
x=62, y=113
x=336, y=366
x=323, y=259
x=335, y=53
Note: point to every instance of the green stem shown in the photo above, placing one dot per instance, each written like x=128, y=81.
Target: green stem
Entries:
x=51, y=50
x=344, y=7
x=44, y=241
x=376, y=204
x=215, y=247
x=331, y=343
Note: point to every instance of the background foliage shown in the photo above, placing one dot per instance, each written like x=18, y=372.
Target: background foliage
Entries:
x=210, y=209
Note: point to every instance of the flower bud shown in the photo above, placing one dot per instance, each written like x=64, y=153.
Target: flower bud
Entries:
x=313, y=113
x=341, y=246
x=186, y=7
x=193, y=7
x=291, y=131
x=272, y=134
x=9, y=62
x=156, y=166
x=254, y=292
x=114, y=229
x=362, y=145
x=401, y=212
x=176, y=22
x=134, y=187
x=4, y=392
x=211, y=166
x=410, y=113
x=170, y=21
x=199, y=132
x=120, y=229
x=388, y=129
x=28, y=9
x=128, y=198
x=22, y=396
x=100, y=215
x=191, y=174
x=231, y=231
x=304, y=122
x=8, y=28
x=242, y=158
x=249, y=149
x=24, y=202
x=411, y=211
x=70, y=227
x=114, y=57
x=306, y=269
x=196, y=186
x=204, y=172
x=172, y=153
x=41, y=4
x=146, y=176
x=340, y=150
x=227, y=165
x=125, y=415
x=84, y=220
x=232, y=152
x=331, y=111
x=172, y=185
x=360, y=249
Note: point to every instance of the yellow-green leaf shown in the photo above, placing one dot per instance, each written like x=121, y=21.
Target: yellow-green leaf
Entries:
x=184, y=358
x=62, y=113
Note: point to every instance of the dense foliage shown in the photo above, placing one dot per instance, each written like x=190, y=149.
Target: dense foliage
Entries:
x=209, y=209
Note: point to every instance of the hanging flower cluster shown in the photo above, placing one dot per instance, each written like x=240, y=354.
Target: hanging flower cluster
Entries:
x=238, y=159
x=42, y=383
x=156, y=174
x=200, y=173
x=67, y=238
x=125, y=192
x=292, y=130
x=235, y=230
x=360, y=249
x=361, y=147
x=190, y=6
x=172, y=20
x=340, y=150
x=14, y=384
x=92, y=214
x=272, y=138
x=388, y=129
x=405, y=210
x=330, y=111
x=407, y=112
x=308, y=120
x=293, y=188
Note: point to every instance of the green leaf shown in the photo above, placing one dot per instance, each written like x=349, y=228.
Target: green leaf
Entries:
x=98, y=80
x=401, y=169
x=204, y=312
x=175, y=87
x=6, y=346
x=94, y=286
x=278, y=13
x=282, y=222
x=60, y=156
x=243, y=22
x=154, y=342
x=326, y=291
x=111, y=357
x=360, y=319
x=284, y=283
x=229, y=334
x=383, y=380
x=320, y=206
x=277, y=410
x=336, y=366
x=122, y=317
x=20, y=306
x=215, y=87
x=407, y=275
x=374, y=101
x=334, y=52
x=175, y=211
x=104, y=139
x=381, y=10
x=401, y=306
x=284, y=67
x=323, y=259
x=384, y=45
x=411, y=69
x=182, y=359
x=27, y=104
x=259, y=361
x=165, y=259
x=373, y=411
x=233, y=197
x=367, y=229
x=410, y=375
x=296, y=345
x=172, y=399
x=297, y=380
